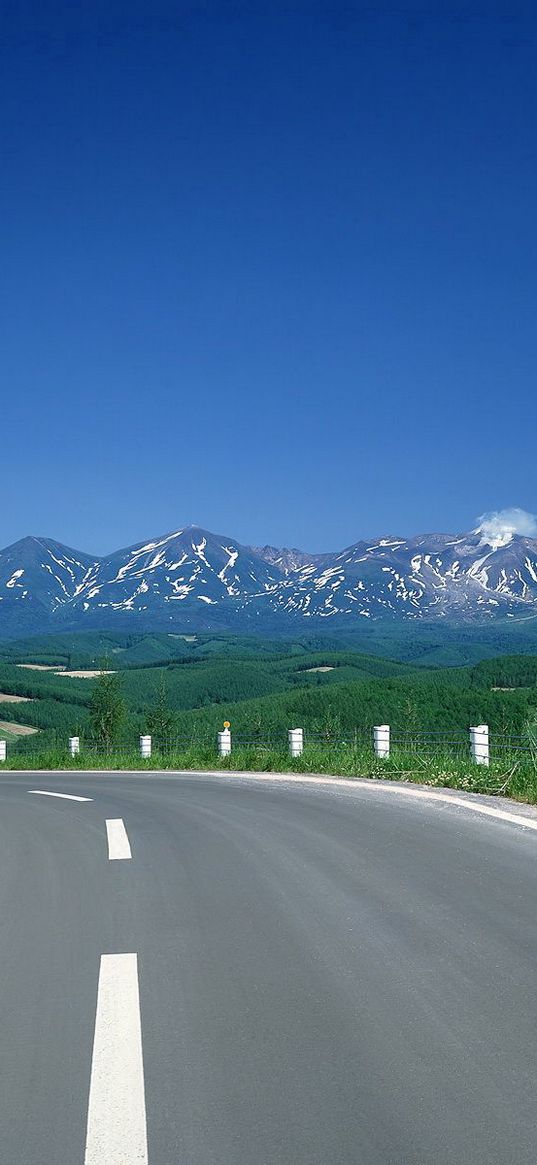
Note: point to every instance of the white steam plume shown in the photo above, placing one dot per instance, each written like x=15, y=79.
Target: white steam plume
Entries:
x=497, y=527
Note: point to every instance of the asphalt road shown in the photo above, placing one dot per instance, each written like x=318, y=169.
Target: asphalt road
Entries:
x=292, y=974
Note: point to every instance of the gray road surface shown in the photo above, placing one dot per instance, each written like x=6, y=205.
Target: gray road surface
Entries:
x=325, y=976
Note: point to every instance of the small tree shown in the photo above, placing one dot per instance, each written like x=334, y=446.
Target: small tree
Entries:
x=107, y=707
x=161, y=720
x=329, y=726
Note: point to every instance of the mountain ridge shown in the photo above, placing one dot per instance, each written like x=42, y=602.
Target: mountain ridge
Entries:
x=195, y=578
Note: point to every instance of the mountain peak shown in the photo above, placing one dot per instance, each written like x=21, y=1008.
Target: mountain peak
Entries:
x=284, y=557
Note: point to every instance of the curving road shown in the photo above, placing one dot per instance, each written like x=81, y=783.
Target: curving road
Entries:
x=293, y=974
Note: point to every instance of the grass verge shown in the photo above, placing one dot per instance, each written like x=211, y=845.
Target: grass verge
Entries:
x=512, y=776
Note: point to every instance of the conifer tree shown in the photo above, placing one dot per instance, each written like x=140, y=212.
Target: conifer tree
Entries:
x=107, y=707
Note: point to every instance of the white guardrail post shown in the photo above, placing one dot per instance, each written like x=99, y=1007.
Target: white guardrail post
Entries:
x=479, y=743
x=381, y=740
x=74, y=745
x=145, y=747
x=296, y=741
x=3, y=750
x=224, y=742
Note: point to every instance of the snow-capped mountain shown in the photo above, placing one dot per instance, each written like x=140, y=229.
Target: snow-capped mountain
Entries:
x=429, y=576
x=38, y=576
x=196, y=579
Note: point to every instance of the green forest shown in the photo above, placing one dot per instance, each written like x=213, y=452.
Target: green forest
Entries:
x=264, y=690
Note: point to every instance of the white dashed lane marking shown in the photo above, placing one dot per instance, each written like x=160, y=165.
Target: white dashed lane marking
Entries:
x=65, y=796
x=118, y=843
x=116, y=1131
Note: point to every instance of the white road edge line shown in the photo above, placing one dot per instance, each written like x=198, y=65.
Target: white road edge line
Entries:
x=65, y=796
x=118, y=843
x=363, y=785
x=117, y=1132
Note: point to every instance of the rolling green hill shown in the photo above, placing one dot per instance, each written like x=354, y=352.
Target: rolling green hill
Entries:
x=261, y=688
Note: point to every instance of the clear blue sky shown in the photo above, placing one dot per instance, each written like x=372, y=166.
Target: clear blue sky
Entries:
x=266, y=267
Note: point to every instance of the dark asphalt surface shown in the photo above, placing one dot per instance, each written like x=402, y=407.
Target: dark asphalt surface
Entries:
x=326, y=976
